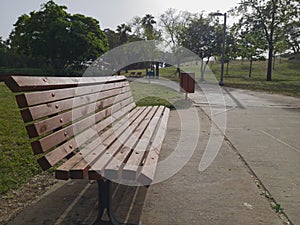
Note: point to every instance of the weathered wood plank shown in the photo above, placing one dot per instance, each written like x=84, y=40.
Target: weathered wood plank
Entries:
x=79, y=171
x=56, y=155
x=32, y=83
x=40, y=97
x=47, y=125
x=116, y=167
x=147, y=172
x=48, y=109
x=99, y=165
x=46, y=143
x=133, y=164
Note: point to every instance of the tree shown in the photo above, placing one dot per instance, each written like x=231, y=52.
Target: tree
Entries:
x=143, y=28
x=202, y=37
x=122, y=30
x=61, y=39
x=271, y=15
x=173, y=24
x=231, y=48
x=292, y=35
x=112, y=37
x=280, y=45
x=249, y=42
x=147, y=23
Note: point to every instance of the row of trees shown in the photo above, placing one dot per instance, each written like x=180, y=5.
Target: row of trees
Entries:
x=62, y=39
x=264, y=26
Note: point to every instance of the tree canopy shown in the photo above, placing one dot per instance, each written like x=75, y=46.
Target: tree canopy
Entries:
x=271, y=16
x=58, y=37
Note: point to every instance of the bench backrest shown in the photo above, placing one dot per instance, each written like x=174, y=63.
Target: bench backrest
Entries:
x=56, y=109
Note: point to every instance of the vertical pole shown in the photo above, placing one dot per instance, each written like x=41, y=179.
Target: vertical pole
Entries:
x=221, y=83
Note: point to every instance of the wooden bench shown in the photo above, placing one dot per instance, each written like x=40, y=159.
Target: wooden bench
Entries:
x=139, y=74
x=132, y=74
x=90, y=128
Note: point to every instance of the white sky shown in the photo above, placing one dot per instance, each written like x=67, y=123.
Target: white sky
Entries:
x=110, y=13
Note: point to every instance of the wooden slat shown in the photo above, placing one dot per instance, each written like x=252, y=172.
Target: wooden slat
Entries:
x=39, y=111
x=31, y=83
x=56, y=155
x=86, y=157
x=133, y=164
x=89, y=153
x=46, y=143
x=149, y=167
x=44, y=126
x=39, y=97
x=115, y=168
x=109, y=142
x=99, y=165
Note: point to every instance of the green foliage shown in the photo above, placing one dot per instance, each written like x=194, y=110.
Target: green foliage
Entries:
x=143, y=28
x=292, y=34
x=173, y=24
x=147, y=23
x=113, y=38
x=59, y=38
x=270, y=16
x=122, y=30
x=202, y=37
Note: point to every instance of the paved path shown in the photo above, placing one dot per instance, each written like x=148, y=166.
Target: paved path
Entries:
x=265, y=130
x=262, y=148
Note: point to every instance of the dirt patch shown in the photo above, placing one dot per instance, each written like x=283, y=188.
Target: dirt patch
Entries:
x=15, y=201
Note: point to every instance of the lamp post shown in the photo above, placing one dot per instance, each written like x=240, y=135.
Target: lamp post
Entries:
x=221, y=82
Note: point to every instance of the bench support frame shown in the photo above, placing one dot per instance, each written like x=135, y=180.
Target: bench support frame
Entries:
x=105, y=203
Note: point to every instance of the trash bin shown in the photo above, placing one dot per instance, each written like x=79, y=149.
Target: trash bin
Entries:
x=187, y=82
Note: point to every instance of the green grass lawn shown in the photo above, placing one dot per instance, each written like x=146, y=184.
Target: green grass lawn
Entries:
x=17, y=163
x=152, y=94
x=285, y=78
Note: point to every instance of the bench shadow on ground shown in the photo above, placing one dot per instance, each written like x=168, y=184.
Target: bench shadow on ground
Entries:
x=76, y=203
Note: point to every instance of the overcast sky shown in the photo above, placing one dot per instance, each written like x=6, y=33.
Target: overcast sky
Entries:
x=110, y=13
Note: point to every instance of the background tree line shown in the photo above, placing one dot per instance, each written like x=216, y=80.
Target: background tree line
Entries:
x=54, y=38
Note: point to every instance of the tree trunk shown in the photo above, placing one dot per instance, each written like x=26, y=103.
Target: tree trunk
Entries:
x=201, y=71
x=270, y=59
x=250, y=69
x=274, y=58
x=157, y=69
x=178, y=69
x=227, y=67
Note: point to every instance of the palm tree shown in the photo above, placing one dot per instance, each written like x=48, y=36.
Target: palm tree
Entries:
x=122, y=30
x=147, y=23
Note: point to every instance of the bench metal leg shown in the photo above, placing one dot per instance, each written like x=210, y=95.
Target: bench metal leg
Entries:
x=104, y=202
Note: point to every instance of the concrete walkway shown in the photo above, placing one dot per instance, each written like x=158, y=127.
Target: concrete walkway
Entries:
x=264, y=129
x=260, y=153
